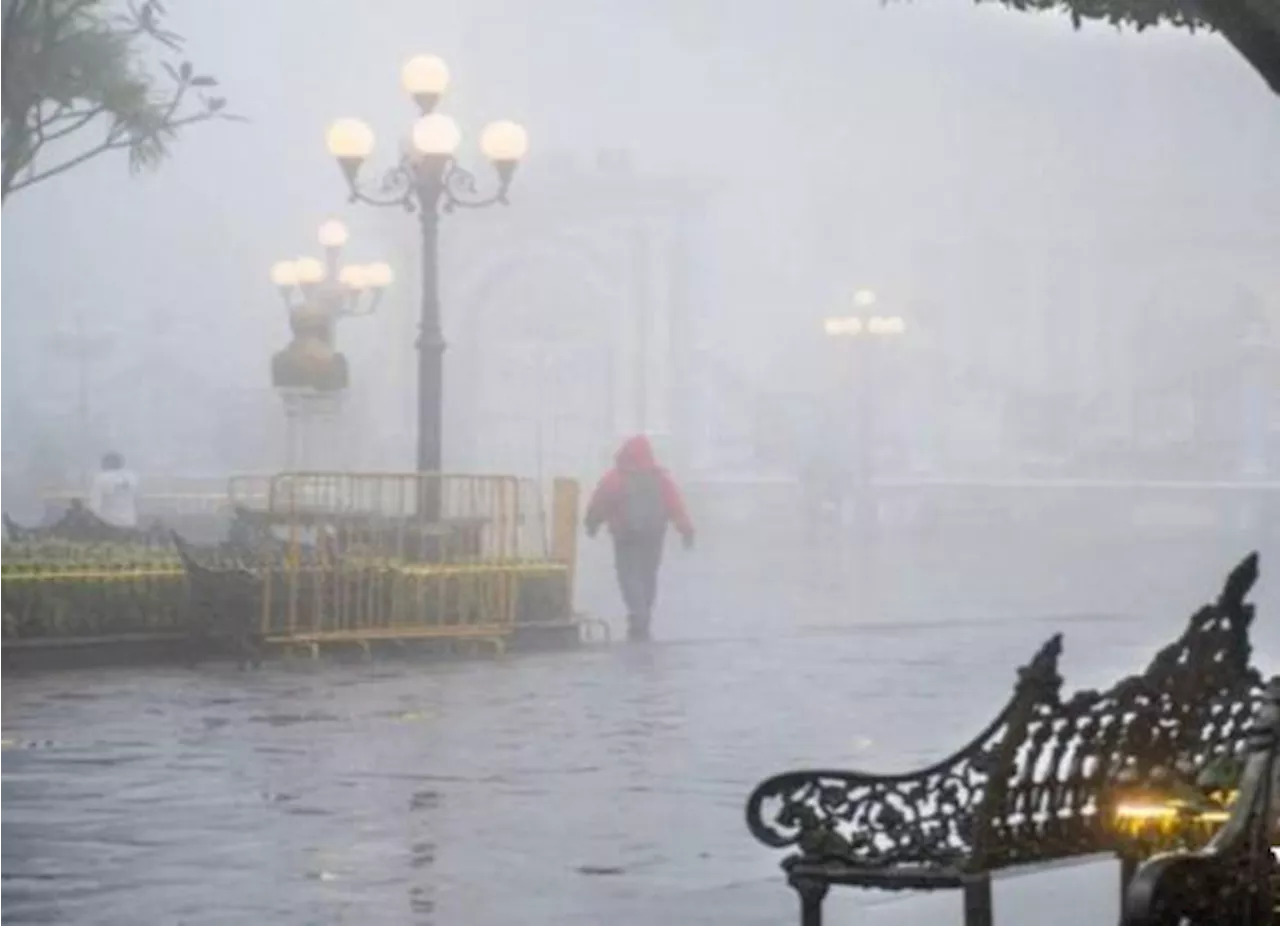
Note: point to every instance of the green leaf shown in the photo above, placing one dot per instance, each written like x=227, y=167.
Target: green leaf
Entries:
x=107, y=57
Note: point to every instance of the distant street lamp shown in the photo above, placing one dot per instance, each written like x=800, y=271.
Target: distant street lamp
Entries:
x=860, y=329
x=859, y=323
x=330, y=286
x=309, y=373
x=429, y=181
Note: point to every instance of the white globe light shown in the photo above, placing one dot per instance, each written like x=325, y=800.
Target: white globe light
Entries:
x=504, y=141
x=843, y=326
x=354, y=275
x=333, y=234
x=284, y=273
x=864, y=298
x=379, y=275
x=350, y=139
x=436, y=134
x=309, y=270
x=425, y=75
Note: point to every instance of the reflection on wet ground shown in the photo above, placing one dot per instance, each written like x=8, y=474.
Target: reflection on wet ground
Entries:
x=591, y=787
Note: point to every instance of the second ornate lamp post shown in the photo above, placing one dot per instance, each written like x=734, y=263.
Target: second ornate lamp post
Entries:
x=858, y=328
x=428, y=181
x=330, y=286
x=310, y=373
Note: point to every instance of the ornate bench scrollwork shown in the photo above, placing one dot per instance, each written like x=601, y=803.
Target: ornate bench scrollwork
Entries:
x=1039, y=784
x=1232, y=881
x=80, y=525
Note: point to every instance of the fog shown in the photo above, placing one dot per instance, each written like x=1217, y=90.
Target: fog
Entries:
x=1078, y=228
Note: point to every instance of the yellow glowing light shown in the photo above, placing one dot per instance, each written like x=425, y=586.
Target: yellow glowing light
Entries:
x=425, y=75
x=333, y=234
x=350, y=139
x=864, y=298
x=843, y=326
x=1146, y=812
x=354, y=275
x=284, y=273
x=309, y=270
x=379, y=275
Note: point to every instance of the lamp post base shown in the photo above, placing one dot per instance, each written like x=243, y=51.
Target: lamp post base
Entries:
x=312, y=423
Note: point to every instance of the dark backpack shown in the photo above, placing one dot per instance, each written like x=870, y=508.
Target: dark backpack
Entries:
x=644, y=506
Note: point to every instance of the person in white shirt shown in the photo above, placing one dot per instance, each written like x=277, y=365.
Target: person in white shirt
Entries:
x=114, y=494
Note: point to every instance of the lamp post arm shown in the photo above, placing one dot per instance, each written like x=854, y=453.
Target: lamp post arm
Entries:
x=396, y=188
x=460, y=190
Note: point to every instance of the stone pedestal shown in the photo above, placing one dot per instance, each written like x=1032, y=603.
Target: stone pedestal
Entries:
x=313, y=430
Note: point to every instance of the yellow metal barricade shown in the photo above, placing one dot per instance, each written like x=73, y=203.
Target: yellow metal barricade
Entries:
x=368, y=556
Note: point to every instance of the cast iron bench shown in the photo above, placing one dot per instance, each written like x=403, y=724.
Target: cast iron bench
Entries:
x=1037, y=785
x=224, y=600
x=1232, y=881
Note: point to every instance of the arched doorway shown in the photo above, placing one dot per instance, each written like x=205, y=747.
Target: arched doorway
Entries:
x=535, y=369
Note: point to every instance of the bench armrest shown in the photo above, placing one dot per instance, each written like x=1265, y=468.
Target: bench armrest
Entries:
x=885, y=819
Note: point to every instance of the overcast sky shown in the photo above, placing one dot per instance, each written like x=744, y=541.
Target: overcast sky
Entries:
x=851, y=141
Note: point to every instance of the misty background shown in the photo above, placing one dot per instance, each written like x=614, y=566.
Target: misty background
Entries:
x=1076, y=431
x=1079, y=228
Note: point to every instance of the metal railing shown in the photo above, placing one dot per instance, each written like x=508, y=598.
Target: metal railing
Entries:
x=364, y=557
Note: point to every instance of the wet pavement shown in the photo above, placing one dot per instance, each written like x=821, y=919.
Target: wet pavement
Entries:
x=591, y=787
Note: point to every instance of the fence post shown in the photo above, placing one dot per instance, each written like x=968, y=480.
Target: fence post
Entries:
x=564, y=527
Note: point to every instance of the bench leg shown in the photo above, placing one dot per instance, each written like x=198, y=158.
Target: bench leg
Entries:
x=812, y=893
x=1128, y=868
x=978, y=909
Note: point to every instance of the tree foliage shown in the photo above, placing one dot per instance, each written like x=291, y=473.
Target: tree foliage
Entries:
x=1251, y=26
x=75, y=87
x=1138, y=14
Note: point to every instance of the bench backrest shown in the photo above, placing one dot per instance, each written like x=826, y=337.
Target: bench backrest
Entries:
x=1061, y=760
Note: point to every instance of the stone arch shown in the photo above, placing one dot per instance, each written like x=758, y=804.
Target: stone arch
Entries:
x=533, y=357
x=1195, y=322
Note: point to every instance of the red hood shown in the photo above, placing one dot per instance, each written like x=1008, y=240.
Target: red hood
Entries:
x=636, y=453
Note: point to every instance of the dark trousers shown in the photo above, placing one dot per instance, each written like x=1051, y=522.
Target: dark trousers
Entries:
x=637, y=558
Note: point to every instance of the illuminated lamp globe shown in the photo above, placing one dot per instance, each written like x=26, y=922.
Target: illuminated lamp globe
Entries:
x=284, y=273
x=504, y=142
x=436, y=135
x=333, y=234
x=309, y=270
x=350, y=139
x=425, y=78
x=864, y=298
x=379, y=275
x=843, y=326
x=355, y=276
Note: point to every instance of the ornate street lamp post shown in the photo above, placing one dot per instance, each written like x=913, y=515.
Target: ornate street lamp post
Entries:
x=428, y=181
x=310, y=374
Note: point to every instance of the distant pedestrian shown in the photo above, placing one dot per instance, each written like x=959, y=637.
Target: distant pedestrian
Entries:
x=637, y=499
x=113, y=497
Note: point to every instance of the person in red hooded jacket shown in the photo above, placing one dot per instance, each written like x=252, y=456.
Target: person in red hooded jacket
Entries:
x=637, y=500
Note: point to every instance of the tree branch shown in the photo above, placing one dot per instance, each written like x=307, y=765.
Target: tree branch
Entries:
x=110, y=144
x=80, y=120
x=68, y=62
